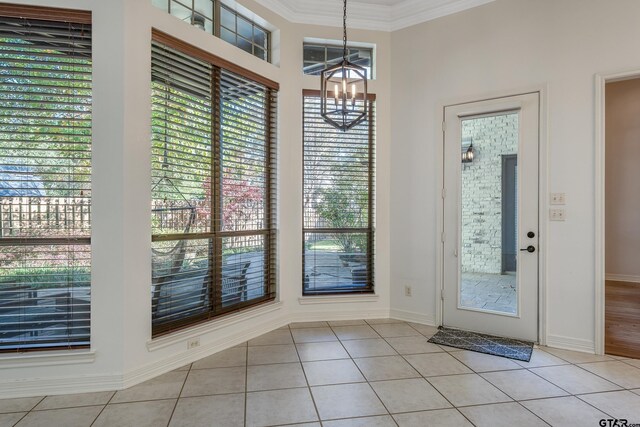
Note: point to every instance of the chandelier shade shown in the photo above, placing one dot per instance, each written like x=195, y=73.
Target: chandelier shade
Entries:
x=343, y=90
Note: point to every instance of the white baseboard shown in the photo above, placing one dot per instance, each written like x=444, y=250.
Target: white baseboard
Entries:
x=622, y=278
x=178, y=360
x=60, y=385
x=86, y=384
x=411, y=316
x=313, y=316
x=95, y=383
x=567, y=343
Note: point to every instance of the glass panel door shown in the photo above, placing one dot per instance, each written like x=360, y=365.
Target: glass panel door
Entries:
x=490, y=217
x=489, y=151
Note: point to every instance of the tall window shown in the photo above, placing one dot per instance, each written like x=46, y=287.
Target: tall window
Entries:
x=45, y=178
x=213, y=212
x=215, y=18
x=317, y=57
x=338, y=199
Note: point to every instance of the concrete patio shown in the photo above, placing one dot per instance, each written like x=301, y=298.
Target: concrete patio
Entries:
x=495, y=292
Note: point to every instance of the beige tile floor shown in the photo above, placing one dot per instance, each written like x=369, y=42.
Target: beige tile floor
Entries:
x=373, y=373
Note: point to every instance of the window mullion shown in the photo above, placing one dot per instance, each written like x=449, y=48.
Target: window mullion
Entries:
x=217, y=17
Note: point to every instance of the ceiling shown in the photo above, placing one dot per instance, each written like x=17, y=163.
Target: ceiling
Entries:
x=383, y=15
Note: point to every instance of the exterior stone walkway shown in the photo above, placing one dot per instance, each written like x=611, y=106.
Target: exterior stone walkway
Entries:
x=496, y=292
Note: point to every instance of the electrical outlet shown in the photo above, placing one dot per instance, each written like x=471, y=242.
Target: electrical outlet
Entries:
x=407, y=291
x=557, y=214
x=557, y=199
x=193, y=343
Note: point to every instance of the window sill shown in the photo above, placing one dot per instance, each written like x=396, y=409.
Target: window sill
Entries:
x=213, y=325
x=47, y=358
x=332, y=299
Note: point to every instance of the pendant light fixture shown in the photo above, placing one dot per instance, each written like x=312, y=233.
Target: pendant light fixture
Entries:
x=343, y=89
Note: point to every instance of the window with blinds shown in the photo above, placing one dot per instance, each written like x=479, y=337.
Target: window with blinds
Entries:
x=338, y=198
x=45, y=178
x=213, y=172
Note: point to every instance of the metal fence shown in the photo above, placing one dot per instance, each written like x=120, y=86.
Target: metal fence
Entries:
x=44, y=216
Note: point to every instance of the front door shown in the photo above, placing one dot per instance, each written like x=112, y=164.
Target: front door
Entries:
x=490, y=236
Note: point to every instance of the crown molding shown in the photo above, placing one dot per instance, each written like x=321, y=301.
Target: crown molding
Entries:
x=362, y=15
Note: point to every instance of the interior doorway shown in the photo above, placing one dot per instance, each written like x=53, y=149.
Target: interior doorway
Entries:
x=622, y=218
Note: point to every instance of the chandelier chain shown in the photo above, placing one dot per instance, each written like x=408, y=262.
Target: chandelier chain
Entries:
x=344, y=37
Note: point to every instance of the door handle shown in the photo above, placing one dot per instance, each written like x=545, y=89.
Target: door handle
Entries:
x=530, y=249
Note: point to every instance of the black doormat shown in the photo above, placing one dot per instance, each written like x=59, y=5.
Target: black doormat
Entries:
x=483, y=343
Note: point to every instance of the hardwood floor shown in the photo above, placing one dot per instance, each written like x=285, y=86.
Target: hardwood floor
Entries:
x=622, y=319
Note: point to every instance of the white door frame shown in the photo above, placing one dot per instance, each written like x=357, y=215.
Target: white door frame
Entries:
x=543, y=198
x=600, y=175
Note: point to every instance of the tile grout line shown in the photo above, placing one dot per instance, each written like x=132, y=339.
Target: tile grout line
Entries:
x=596, y=408
x=566, y=391
x=246, y=382
x=600, y=376
x=350, y=357
x=369, y=382
x=477, y=373
x=31, y=410
x=313, y=400
x=488, y=404
x=429, y=382
x=104, y=407
x=531, y=412
x=180, y=393
x=397, y=353
x=365, y=377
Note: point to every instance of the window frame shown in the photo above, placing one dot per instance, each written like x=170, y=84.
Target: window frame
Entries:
x=326, y=63
x=217, y=26
x=84, y=20
x=215, y=310
x=369, y=230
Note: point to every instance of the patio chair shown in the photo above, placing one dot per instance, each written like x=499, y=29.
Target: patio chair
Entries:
x=359, y=275
x=234, y=282
x=169, y=262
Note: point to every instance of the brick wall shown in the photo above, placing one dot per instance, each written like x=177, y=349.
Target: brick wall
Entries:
x=493, y=137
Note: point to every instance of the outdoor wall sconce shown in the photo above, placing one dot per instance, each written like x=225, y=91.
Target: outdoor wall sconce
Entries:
x=469, y=153
x=197, y=21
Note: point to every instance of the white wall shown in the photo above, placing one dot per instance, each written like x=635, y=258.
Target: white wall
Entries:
x=502, y=48
x=121, y=352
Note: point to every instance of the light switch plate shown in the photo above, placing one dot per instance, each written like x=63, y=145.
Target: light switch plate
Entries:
x=557, y=198
x=557, y=215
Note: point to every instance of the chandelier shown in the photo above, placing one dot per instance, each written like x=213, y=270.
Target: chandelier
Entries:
x=343, y=89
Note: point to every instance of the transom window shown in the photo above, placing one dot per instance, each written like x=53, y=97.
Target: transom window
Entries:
x=213, y=188
x=221, y=21
x=317, y=57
